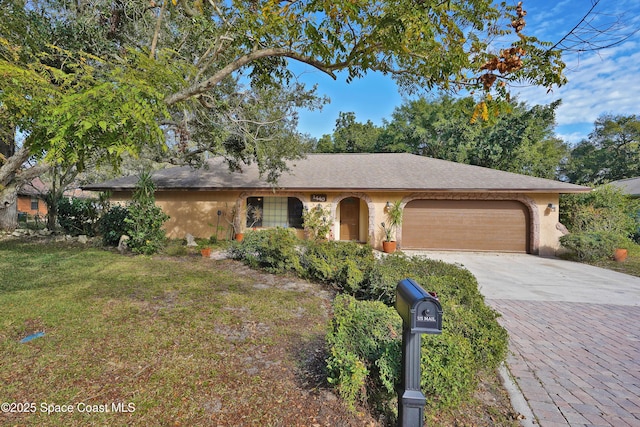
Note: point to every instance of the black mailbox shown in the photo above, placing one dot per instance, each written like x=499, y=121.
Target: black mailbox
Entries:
x=421, y=312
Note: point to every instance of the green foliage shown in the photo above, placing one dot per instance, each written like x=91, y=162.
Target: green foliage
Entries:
x=350, y=136
x=359, y=335
x=394, y=219
x=273, y=249
x=515, y=137
x=78, y=216
x=611, y=152
x=317, y=222
x=145, y=219
x=365, y=352
x=457, y=288
x=591, y=246
x=112, y=225
x=345, y=265
x=606, y=209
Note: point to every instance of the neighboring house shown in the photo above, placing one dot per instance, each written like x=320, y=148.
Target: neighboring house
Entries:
x=447, y=205
x=630, y=186
x=30, y=199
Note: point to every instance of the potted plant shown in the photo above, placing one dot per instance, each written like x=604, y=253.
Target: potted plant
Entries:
x=390, y=226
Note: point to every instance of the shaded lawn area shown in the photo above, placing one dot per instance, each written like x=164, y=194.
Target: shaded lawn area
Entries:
x=181, y=340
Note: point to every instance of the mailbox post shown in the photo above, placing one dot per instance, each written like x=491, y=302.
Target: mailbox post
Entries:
x=421, y=314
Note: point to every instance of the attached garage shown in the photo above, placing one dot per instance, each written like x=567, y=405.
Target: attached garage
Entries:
x=472, y=225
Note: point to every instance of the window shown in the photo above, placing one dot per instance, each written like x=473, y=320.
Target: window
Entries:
x=276, y=212
x=34, y=204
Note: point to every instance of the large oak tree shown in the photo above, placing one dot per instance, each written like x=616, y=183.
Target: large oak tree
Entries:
x=85, y=82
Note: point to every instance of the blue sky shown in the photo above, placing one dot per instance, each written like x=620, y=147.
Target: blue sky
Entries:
x=606, y=81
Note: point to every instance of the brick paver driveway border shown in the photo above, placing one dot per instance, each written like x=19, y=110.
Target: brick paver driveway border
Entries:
x=574, y=335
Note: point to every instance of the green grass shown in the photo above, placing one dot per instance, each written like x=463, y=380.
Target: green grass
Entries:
x=186, y=340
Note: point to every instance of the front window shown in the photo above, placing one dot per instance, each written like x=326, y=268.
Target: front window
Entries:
x=34, y=204
x=274, y=212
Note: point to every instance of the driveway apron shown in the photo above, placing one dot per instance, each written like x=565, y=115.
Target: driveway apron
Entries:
x=574, y=335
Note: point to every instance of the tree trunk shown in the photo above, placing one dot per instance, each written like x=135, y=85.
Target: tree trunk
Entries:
x=9, y=208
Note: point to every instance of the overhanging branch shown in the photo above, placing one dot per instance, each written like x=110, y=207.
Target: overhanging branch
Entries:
x=211, y=82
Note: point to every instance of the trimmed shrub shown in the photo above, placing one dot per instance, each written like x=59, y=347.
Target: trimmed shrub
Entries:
x=591, y=246
x=365, y=342
x=112, y=225
x=344, y=265
x=463, y=305
x=361, y=333
x=274, y=250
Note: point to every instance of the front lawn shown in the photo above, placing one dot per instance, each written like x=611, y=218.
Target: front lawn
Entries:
x=173, y=341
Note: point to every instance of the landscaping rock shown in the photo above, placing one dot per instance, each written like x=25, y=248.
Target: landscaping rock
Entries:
x=191, y=241
x=123, y=245
x=83, y=239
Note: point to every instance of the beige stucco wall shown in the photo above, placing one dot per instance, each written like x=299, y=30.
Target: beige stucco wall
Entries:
x=195, y=212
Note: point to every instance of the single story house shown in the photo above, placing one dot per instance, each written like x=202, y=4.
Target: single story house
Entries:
x=30, y=199
x=630, y=186
x=446, y=205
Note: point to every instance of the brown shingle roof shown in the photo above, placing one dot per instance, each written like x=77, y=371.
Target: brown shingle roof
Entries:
x=384, y=172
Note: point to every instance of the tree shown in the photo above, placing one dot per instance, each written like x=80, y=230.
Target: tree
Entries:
x=349, y=136
x=190, y=78
x=611, y=152
x=517, y=139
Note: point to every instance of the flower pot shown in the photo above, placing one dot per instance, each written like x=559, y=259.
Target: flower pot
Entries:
x=389, y=247
x=620, y=255
x=239, y=237
x=206, y=252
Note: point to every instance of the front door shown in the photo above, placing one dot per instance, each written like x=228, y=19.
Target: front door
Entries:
x=349, y=219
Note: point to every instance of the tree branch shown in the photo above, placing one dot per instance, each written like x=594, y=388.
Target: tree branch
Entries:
x=206, y=85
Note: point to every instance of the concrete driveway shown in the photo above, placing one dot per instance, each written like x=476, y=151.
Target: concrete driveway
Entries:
x=574, y=336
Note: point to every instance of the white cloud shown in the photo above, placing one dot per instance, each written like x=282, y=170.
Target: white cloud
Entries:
x=599, y=83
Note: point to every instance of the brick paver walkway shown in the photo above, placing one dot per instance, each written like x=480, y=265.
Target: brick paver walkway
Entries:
x=577, y=364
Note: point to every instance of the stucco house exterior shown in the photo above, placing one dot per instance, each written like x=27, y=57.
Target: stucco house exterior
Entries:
x=446, y=205
x=30, y=201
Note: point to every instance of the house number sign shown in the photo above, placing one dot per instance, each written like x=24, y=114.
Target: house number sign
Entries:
x=318, y=197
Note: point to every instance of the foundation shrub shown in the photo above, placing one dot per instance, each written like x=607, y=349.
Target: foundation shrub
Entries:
x=274, y=250
x=345, y=265
x=145, y=219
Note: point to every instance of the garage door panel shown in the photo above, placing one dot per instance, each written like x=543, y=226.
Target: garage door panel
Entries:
x=466, y=225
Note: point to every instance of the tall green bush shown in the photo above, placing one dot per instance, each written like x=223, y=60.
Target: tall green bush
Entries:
x=78, y=216
x=364, y=364
x=145, y=219
x=598, y=222
x=317, y=222
x=605, y=209
x=112, y=225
